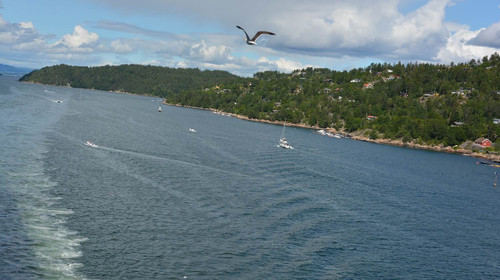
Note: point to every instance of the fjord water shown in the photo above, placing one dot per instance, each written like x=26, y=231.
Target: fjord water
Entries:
x=156, y=201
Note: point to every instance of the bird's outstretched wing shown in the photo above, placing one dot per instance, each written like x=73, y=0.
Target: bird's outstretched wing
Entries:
x=248, y=38
x=260, y=33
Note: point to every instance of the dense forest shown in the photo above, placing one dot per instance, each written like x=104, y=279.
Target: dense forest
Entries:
x=139, y=79
x=420, y=102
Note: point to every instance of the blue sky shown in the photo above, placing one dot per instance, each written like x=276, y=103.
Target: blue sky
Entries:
x=335, y=34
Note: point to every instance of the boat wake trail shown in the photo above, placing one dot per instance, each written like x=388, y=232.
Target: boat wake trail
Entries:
x=55, y=248
x=176, y=161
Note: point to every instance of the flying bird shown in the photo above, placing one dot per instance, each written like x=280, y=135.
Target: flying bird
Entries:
x=252, y=41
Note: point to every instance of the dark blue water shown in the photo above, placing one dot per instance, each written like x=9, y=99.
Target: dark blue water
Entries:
x=156, y=201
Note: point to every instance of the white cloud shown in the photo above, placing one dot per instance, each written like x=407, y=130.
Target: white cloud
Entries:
x=22, y=43
x=26, y=25
x=11, y=34
x=203, y=52
x=457, y=49
x=80, y=40
x=281, y=64
x=421, y=33
x=488, y=37
x=33, y=45
x=182, y=64
x=120, y=46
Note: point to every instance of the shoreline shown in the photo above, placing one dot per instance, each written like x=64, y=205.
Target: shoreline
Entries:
x=448, y=149
x=397, y=143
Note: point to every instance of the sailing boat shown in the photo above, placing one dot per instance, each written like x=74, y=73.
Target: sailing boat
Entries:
x=283, y=143
x=159, y=109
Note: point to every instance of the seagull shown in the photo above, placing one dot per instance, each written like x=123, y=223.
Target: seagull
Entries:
x=252, y=41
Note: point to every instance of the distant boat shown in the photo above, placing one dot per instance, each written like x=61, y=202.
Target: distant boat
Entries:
x=192, y=130
x=91, y=144
x=159, y=109
x=283, y=142
x=491, y=163
x=321, y=132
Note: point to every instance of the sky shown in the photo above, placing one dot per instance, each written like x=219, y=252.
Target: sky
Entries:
x=334, y=34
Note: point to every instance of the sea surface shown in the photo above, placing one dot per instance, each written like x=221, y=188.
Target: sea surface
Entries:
x=156, y=201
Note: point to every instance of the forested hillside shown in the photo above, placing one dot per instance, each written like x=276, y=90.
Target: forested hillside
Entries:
x=427, y=103
x=140, y=79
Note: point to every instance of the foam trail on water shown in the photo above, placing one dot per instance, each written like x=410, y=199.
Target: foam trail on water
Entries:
x=56, y=248
x=49, y=249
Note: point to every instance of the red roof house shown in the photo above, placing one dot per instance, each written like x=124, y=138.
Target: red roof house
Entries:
x=484, y=142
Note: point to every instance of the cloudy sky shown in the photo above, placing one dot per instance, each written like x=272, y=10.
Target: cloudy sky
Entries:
x=335, y=34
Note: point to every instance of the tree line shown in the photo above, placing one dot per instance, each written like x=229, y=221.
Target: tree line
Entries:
x=139, y=79
x=422, y=102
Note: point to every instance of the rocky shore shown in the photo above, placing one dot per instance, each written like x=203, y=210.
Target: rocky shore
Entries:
x=360, y=137
x=439, y=148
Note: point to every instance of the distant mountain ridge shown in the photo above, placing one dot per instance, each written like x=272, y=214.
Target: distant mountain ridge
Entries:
x=8, y=69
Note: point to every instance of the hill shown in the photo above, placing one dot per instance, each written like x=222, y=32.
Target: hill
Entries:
x=7, y=69
x=444, y=105
x=139, y=79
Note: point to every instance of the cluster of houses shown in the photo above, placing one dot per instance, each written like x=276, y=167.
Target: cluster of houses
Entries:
x=369, y=85
x=217, y=89
x=462, y=92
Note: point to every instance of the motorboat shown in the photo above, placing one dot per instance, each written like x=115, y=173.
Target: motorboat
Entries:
x=192, y=130
x=91, y=144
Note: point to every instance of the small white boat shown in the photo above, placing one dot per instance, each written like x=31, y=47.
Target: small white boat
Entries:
x=159, y=109
x=192, y=130
x=91, y=144
x=283, y=143
x=321, y=132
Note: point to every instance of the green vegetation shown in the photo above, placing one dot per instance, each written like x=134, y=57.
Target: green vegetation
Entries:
x=425, y=103
x=139, y=79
